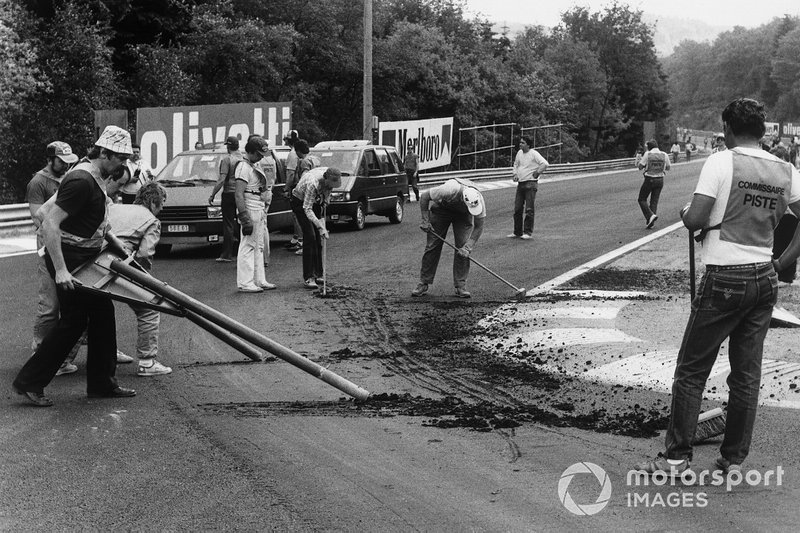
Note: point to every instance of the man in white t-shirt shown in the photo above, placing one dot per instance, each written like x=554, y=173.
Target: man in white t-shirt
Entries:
x=528, y=166
x=740, y=196
x=655, y=163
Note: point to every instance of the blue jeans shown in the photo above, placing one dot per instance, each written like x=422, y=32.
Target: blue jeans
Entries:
x=523, y=203
x=650, y=187
x=733, y=302
x=230, y=226
x=441, y=219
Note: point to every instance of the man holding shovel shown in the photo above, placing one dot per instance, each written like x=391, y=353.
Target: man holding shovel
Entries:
x=455, y=202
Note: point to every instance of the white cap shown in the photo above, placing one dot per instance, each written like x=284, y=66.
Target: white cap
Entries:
x=474, y=201
x=115, y=139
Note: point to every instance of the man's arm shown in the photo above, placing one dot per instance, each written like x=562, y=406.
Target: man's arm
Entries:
x=308, y=207
x=477, y=231
x=695, y=216
x=51, y=230
x=244, y=216
x=424, y=209
x=223, y=174
x=792, y=252
x=147, y=246
x=542, y=165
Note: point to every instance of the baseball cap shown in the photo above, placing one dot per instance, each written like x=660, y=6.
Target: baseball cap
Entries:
x=474, y=201
x=262, y=146
x=232, y=141
x=61, y=150
x=115, y=139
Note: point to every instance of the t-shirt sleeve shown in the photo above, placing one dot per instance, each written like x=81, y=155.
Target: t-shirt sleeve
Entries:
x=75, y=191
x=794, y=196
x=712, y=174
x=238, y=173
x=224, y=165
x=36, y=193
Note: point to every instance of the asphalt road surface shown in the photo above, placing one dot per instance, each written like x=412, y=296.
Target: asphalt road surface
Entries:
x=227, y=444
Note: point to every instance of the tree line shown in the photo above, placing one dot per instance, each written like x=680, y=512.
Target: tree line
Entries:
x=595, y=72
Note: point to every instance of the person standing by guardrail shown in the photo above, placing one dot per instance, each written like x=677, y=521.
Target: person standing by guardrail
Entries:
x=227, y=183
x=655, y=163
x=411, y=166
x=528, y=166
x=41, y=188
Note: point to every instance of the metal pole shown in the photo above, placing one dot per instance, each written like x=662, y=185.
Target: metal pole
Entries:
x=367, y=111
x=248, y=334
x=692, y=273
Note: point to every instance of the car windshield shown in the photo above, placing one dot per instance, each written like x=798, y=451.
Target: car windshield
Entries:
x=344, y=160
x=188, y=170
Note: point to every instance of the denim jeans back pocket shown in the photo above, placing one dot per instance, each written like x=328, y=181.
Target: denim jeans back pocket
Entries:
x=727, y=294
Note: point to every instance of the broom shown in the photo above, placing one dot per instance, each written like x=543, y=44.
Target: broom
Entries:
x=710, y=423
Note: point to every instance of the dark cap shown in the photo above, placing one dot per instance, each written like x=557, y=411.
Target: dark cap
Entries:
x=257, y=145
x=61, y=150
x=233, y=142
x=292, y=135
x=334, y=176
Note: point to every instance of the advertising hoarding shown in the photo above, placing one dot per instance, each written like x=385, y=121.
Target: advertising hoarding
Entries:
x=164, y=132
x=432, y=139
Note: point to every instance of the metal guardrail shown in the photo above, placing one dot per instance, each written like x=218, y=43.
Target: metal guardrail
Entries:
x=16, y=218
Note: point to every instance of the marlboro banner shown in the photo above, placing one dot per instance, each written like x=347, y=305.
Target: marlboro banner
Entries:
x=432, y=139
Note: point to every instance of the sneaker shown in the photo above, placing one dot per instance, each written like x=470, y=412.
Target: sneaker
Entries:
x=462, y=293
x=513, y=236
x=726, y=466
x=660, y=464
x=421, y=290
x=223, y=260
x=267, y=286
x=155, y=369
x=310, y=283
x=291, y=245
x=651, y=221
x=66, y=368
x=526, y=237
x=299, y=251
x=250, y=289
x=319, y=281
x=123, y=358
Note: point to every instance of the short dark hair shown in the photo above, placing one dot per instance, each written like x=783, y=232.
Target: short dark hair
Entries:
x=301, y=146
x=526, y=139
x=745, y=116
x=651, y=144
x=151, y=194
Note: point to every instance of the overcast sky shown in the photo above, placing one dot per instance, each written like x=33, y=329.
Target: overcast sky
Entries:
x=717, y=13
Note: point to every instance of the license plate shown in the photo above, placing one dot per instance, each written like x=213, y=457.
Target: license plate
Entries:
x=177, y=228
x=334, y=217
x=213, y=238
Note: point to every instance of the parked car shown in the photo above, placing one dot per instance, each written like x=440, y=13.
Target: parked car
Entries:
x=187, y=218
x=373, y=181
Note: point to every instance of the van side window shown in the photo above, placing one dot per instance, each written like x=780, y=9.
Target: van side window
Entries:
x=371, y=162
x=383, y=159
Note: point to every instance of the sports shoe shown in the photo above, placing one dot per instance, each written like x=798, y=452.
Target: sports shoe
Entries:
x=310, y=283
x=661, y=464
x=250, y=289
x=526, y=237
x=513, y=236
x=66, y=368
x=267, y=286
x=123, y=358
x=421, y=290
x=36, y=398
x=223, y=260
x=462, y=293
x=155, y=369
x=299, y=251
x=726, y=466
x=651, y=221
x=292, y=245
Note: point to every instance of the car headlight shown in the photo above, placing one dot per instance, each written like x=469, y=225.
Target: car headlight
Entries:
x=214, y=211
x=340, y=197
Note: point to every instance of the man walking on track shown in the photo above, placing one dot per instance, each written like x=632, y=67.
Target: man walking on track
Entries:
x=655, y=164
x=528, y=166
x=458, y=203
x=740, y=196
x=74, y=230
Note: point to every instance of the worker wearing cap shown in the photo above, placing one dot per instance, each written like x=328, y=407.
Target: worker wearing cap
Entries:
x=42, y=186
x=74, y=230
x=309, y=198
x=251, y=182
x=458, y=203
x=227, y=183
x=719, y=143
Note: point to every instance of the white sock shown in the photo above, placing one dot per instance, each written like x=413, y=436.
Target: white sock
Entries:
x=675, y=461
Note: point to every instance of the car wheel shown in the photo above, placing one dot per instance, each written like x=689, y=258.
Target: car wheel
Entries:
x=163, y=249
x=360, y=217
x=396, y=216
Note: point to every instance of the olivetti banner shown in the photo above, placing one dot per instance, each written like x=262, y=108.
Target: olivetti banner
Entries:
x=164, y=132
x=432, y=139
